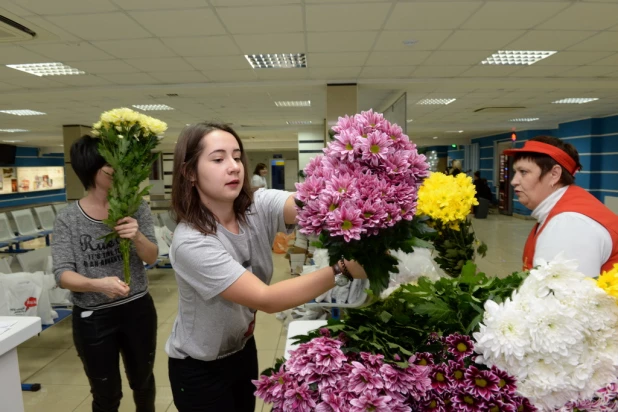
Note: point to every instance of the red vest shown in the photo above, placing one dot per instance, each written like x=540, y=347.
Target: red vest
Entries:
x=578, y=200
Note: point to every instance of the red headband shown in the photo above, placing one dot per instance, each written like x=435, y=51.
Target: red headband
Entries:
x=555, y=153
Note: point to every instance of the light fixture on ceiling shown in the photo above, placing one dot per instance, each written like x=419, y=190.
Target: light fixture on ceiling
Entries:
x=524, y=119
x=13, y=141
x=152, y=107
x=22, y=112
x=46, y=69
x=435, y=101
x=13, y=130
x=454, y=131
x=517, y=57
x=435, y=137
x=293, y=103
x=576, y=100
x=298, y=122
x=410, y=42
x=409, y=120
x=277, y=61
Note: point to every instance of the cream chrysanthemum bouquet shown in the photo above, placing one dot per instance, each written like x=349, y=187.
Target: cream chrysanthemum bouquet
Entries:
x=127, y=141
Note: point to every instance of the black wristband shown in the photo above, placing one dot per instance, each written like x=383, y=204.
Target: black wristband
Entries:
x=345, y=270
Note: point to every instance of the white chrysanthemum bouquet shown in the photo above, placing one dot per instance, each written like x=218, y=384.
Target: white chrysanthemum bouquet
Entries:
x=557, y=335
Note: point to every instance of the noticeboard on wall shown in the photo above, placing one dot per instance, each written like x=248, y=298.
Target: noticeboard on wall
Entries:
x=35, y=179
x=8, y=180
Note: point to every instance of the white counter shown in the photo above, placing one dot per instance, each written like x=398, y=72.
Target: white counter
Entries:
x=24, y=328
x=300, y=327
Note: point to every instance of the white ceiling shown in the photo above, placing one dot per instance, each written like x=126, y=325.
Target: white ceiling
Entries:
x=138, y=51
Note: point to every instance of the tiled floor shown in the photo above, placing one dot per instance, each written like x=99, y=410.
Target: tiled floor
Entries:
x=50, y=358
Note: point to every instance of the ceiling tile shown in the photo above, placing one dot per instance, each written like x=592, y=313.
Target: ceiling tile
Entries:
x=195, y=22
x=460, y=58
x=179, y=77
x=94, y=27
x=128, y=49
x=608, y=61
x=430, y=15
x=152, y=5
x=271, y=43
x=165, y=64
x=539, y=71
x=231, y=75
x=588, y=71
x=584, y=16
x=33, y=82
x=549, y=39
x=83, y=80
x=219, y=63
x=489, y=71
x=410, y=58
x=281, y=74
x=341, y=41
x=232, y=3
x=130, y=78
x=513, y=15
x=365, y=17
x=19, y=55
x=425, y=40
x=105, y=66
x=336, y=59
x=202, y=46
x=386, y=72
x=439, y=71
x=66, y=52
x=572, y=58
x=602, y=41
x=45, y=7
x=480, y=39
x=268, y=19
x=334, y=73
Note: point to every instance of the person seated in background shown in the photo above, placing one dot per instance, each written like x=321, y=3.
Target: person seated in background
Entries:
x=258, y=180
x=483, y=191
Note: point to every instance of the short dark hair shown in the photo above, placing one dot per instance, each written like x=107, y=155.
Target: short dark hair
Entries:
x=86, y=160
x=258, y=168
x=546, y=163
x=477, y=174
x=186, y=204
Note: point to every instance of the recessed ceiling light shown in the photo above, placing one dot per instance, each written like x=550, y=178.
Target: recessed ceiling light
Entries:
x=409, y=42
x=435, y=137
x=46, y=69
x=293, y=103
x=525, y=119
x=576, y=100
x=299, y=122
x=22, y=112
x=517, y=57
x=436, y=101
x=13, y=130
x=277, y=61
x=454, y=131
x=152, y=107
x=13, y=141
x=409, y=120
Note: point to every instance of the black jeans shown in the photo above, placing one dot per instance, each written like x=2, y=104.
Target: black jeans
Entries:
x=222, y=385
x=129, y=330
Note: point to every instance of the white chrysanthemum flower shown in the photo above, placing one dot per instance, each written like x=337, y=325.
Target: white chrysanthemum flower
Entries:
x=503, y=332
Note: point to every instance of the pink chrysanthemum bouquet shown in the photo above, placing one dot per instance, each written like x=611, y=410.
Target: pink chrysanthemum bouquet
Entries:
x=360, y=197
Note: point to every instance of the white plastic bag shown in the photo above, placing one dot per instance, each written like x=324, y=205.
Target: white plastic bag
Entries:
x=21, y=293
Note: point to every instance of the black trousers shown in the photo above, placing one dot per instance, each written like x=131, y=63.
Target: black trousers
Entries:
x=222, y=385
x=129, y=330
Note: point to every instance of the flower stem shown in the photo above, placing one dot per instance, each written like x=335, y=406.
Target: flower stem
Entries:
x=125, y=250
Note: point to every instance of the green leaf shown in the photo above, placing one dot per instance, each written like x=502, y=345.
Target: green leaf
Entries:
x=437, y=310
x=385, y=316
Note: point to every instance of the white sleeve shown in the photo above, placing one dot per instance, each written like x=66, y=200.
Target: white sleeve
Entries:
x=256, y=181
x=578, y=237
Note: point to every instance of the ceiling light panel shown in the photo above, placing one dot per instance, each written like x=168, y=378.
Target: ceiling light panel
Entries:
x=576, y=100
x=46, y=69
x=152, y=107
x=277, y=61
x=436, y=101
x=293, y=103
x=299, y=122
x=22, y=112
x=524, y=119
x=13, y=130
x=517, y=57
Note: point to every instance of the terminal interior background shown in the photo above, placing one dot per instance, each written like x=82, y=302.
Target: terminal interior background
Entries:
x=465, y=79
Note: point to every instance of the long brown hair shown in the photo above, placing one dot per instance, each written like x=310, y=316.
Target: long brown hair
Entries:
x=186, y=204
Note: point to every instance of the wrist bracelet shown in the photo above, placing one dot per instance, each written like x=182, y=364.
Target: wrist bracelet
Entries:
x=345, y=270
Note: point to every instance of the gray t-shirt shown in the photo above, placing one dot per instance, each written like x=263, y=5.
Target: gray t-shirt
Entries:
x=76, y=246
x=208, y=326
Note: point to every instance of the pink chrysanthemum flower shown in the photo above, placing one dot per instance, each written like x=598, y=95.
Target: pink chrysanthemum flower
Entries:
x=481, y=383
x=363, y=379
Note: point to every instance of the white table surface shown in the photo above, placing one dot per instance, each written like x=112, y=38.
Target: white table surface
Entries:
x=300, y=327
x=25, y=328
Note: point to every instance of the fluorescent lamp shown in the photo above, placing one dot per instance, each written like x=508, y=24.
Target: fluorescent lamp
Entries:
x=152, y=107
x=22, y=112
x=46, y=69
x=277, y=61
x=576, y=100
x=436, y=101
x=525, y=119
x=299, y=122
x=293, y=103
x=13, y=130
x=517, y=57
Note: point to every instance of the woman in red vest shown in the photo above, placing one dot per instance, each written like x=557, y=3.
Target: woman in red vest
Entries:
x=569, y=219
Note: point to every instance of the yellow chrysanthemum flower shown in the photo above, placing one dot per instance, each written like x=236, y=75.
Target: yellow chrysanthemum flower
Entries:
x=447, y=198
x=126, y=118
x=608, y=281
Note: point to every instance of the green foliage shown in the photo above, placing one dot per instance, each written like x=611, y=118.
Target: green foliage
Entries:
x=401, y=323
x=372, y=251
x=129, y=151
x=456, y=247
